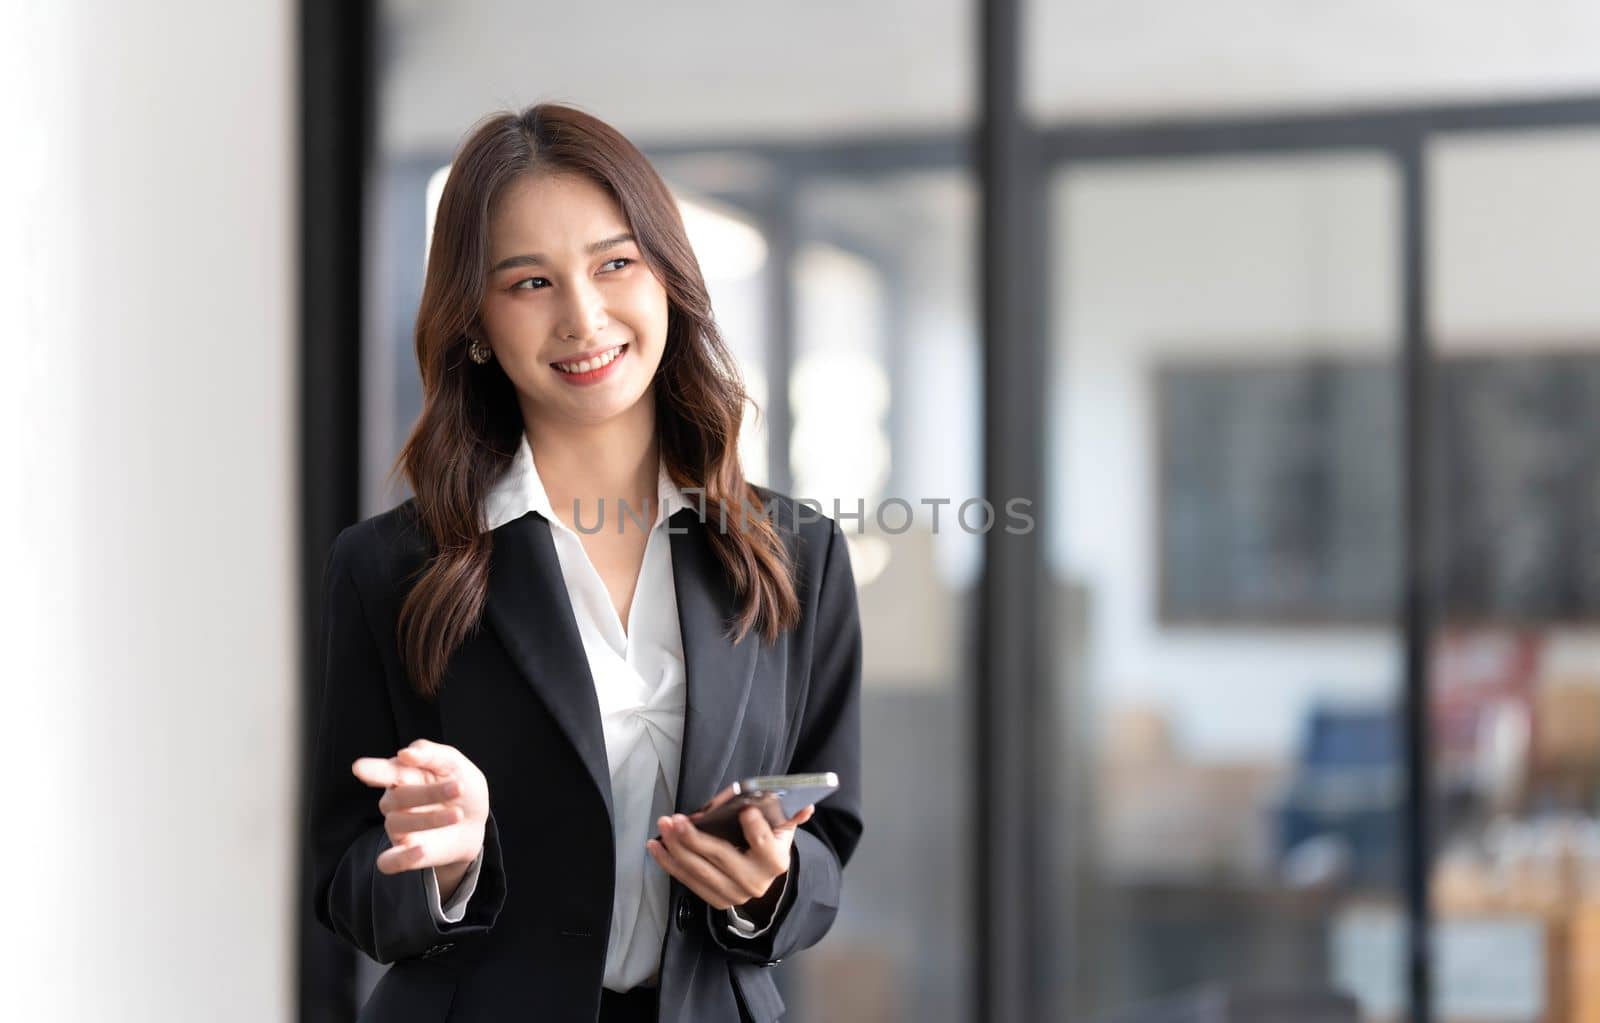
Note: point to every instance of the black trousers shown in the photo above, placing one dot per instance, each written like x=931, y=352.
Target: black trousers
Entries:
x=635, y=1006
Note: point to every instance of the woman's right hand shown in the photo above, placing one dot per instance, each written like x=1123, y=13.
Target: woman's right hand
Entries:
x=435, y=807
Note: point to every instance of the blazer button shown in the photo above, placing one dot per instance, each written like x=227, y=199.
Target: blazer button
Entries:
x=683, y=912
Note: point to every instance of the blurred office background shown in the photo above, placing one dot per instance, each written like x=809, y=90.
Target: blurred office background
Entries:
x=1251, y=232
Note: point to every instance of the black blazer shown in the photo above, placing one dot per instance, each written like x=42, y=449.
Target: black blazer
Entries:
x=518, y=699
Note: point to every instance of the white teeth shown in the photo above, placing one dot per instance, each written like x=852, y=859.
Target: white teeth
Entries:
x=588, y=365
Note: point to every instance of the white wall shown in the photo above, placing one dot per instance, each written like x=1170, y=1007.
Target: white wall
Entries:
x=1274, y=258
x=150, y=665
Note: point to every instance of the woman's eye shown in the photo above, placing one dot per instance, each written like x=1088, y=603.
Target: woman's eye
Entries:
x=620, y=259
x=521, y=285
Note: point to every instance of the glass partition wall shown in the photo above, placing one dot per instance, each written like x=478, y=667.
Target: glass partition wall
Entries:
x=1224, y=522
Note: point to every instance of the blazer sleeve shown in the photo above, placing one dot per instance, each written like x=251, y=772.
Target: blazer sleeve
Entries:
x=829, y=740
x=387, y=916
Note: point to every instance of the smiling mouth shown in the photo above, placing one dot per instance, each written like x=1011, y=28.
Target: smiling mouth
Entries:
x=594, y=362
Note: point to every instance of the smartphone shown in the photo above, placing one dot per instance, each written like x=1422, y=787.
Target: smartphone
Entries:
x=779, y=796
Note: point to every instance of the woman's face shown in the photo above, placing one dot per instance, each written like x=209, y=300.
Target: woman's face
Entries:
x=567, y=290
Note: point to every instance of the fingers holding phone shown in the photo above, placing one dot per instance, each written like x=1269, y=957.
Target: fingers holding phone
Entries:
x=778, y=798
x=723, y=875
x=435, y=806
x=731, y=850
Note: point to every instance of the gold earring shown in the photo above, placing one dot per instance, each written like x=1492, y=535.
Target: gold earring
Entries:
x=480, y=352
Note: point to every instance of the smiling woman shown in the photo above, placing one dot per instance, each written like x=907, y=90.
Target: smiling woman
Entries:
x=484, y=799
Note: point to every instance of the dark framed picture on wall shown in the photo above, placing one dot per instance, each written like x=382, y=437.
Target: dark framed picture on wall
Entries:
x=1279, y=496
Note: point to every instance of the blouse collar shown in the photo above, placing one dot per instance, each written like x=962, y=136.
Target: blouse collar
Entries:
x=520, y=491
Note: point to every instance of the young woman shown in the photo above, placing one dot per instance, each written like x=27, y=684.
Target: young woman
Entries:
x=486, y=799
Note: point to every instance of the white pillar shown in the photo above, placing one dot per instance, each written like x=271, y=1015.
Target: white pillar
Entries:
x=149, y=603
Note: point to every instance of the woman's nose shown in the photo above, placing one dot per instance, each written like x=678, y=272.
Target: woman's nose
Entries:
x=585, y=315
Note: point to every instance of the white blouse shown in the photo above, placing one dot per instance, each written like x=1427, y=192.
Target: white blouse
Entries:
x=640, y=684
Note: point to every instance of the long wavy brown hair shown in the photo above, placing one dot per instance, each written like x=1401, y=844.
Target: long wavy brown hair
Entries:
x=470, y=425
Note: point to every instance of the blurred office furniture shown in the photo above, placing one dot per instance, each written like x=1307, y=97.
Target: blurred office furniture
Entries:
x=1516, y=934
x=1515, y=724
x=1492, y=966
x=1167, y=816
x=1346, y=786
x=1565, y=771
x=1225, y=1004
x=1180, y=891
x=1516, y=887
x=1482, y=706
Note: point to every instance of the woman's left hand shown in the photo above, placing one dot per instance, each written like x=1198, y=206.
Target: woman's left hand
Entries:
x=725, y=876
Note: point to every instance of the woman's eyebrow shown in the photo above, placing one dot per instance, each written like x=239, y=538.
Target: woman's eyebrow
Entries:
x=535, y=259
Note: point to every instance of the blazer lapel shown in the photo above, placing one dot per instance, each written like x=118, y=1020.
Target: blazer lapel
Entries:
x=529, y=608
x=719, y=673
